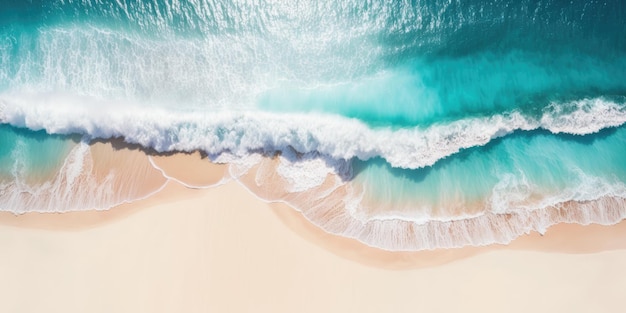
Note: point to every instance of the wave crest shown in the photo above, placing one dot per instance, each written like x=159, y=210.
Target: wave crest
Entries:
x=239, y=133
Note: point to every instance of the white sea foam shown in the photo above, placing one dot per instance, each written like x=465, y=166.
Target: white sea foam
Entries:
x=514, y=194
x=72, y=188
x=401, y=235
x=238, y=133
x=310, y=170
x=583, y=116
x=216, y=71
x=102, y=64
x=514, y=208
x=241, y=138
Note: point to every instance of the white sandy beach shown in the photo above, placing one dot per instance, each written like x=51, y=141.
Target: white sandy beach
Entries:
x=223, y=250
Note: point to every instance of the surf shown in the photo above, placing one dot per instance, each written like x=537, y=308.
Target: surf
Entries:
x=407, y=126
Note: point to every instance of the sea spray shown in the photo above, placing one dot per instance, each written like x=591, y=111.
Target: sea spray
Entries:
x=240, y=132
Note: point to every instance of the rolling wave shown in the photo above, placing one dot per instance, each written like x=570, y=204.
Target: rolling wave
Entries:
x=238, y=134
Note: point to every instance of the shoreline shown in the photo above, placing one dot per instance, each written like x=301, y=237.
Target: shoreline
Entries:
x=224, y=249
x=187, y=175
x=569, y=238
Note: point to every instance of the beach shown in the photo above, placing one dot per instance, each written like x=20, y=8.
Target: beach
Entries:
x=312, y=156
x=222, y=249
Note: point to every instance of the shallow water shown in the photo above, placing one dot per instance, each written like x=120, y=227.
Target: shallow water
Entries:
x=425, y=112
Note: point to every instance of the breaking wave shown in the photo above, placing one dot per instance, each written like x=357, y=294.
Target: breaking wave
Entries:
x=406, y=125
x=239, y=133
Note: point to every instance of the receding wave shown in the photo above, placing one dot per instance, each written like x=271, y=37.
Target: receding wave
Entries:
x=90, y=177
x=347, y=197
x=490, y=195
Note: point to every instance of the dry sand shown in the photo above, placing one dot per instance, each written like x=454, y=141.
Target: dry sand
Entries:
x=223, y=250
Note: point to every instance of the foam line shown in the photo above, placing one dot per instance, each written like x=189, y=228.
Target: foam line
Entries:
x=333, y=208
x=238, y=133
x=73, y=188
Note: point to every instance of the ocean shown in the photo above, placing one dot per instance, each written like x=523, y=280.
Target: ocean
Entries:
x=407, y=125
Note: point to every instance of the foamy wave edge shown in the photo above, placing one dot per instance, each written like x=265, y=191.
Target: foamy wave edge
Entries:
x=74, y=187
x=332, y=140
x=229, y=135
x=334, y=205
x=601, y=203
x=483, y=230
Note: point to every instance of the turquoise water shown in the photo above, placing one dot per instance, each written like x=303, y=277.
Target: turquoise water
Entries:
x=533, y=163
x=25, y=153
x=423, y=92
x=443, y=110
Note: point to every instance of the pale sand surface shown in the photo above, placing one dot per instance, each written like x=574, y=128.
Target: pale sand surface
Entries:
x=192, y=169
x=223, y=250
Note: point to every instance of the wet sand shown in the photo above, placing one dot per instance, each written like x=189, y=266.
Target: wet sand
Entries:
x=221, y=249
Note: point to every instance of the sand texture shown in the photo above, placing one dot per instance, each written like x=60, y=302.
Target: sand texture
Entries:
x=221, y=249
